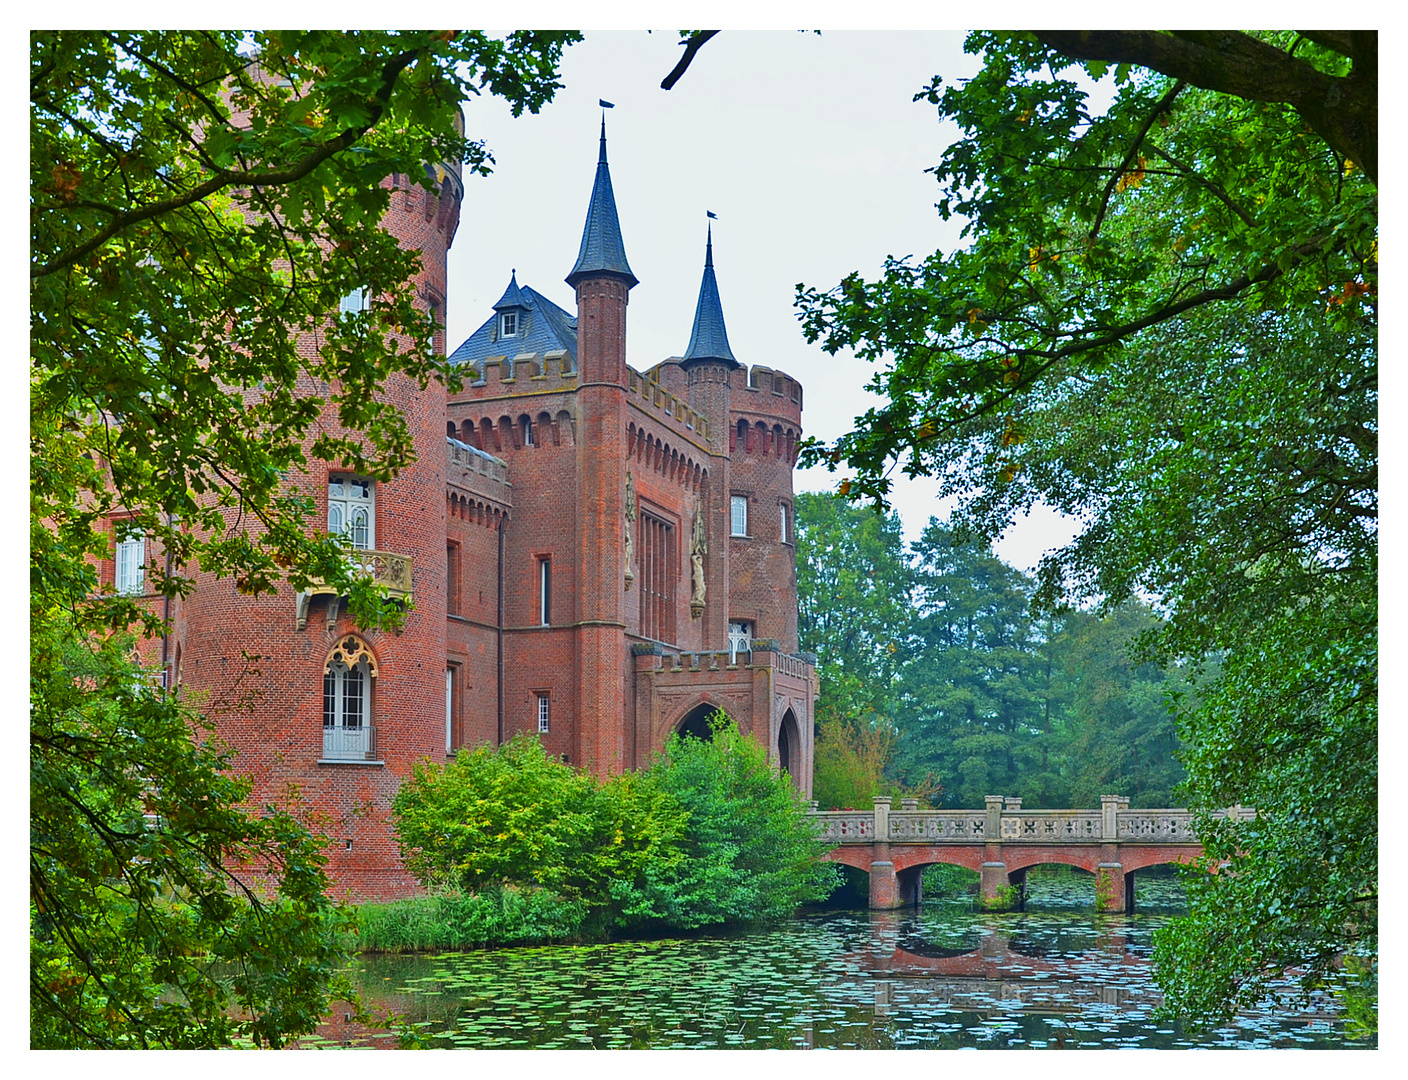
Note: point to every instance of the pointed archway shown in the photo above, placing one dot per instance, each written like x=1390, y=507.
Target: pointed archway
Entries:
x=696, y=722
x=789, y=745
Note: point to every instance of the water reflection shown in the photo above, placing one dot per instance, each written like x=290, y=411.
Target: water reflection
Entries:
x=944, y=977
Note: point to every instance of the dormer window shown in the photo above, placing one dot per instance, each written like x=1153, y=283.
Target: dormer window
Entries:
x=508, y=324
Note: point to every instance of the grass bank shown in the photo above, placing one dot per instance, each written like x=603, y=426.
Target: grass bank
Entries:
x=504, y=916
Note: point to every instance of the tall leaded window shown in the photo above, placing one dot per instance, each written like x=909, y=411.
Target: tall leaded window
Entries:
x=449, y=709
x=659, y=569
x=354, y=301
x=352, y=510
x=544, y=707
x=545, y=591
x=738, y=515
x=131, y=558
x=786, y=536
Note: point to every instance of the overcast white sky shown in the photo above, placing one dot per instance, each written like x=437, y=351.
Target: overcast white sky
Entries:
x=809, y=149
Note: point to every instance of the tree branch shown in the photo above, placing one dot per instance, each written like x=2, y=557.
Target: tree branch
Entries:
x=1154, y=113
x=1341, y=110
x=692, y=45
x=226, y=178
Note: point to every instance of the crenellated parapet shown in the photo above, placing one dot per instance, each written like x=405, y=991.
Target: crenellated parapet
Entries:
x=648, y=393
x=675, y=463
x=765, y=414
x=522, y=373
x=477, y=484
x=762, y=389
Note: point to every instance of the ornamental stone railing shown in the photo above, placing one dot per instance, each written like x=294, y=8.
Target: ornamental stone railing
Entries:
x=1004, y=821
x=384, y=568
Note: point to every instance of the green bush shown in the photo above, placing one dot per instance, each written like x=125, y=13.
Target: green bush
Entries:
x=709, y=834
x=750, y=853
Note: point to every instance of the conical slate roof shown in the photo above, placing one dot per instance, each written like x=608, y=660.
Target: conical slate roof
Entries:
x=602, y=249
x=709, y=339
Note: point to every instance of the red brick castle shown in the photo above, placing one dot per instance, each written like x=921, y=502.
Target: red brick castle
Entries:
x=596, y=554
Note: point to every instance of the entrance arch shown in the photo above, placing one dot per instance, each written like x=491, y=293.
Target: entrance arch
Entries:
x=789, y=744
x=696, y=722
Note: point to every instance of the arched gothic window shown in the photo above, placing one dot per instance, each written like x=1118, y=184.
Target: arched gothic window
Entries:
x=348, y=733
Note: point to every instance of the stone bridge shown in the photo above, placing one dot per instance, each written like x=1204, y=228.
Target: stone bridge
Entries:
x=1002, y=842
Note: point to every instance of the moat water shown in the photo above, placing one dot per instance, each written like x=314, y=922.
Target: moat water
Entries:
x=1056, y=976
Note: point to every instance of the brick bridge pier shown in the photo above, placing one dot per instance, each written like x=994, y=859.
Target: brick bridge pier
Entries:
x=1002, y=842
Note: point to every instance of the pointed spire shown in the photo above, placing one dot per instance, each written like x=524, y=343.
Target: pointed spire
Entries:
x=709, y=339
x=602, y=249
x=513, y=296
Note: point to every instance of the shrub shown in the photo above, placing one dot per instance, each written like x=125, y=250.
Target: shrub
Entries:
x=709, y=834
x=749, y=851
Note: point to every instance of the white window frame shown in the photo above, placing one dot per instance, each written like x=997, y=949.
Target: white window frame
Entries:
x=353, y=302
x=738, y=515
x=449, y=708
x=527, y=428
x=544, y=712
x=129, y=570
x=740, y=638
x=786, y=537
x=352, y=509
x=508, y=324
x=347, y=731
x=545, y=590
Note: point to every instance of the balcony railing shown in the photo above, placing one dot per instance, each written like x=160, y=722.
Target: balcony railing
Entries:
x=349, y=743
x=383, y=567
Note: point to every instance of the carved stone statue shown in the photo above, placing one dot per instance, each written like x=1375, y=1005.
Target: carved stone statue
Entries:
x=698, y=547
x=630, y=520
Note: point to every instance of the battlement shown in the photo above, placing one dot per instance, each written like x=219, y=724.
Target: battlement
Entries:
x=468, y=462
x=769, y=391
x=650, y=394
x=524, y=373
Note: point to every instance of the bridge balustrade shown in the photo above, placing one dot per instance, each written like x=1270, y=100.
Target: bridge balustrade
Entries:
x=1002, y=841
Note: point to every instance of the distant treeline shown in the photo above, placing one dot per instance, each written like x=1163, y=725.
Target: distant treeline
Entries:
x=938, y=680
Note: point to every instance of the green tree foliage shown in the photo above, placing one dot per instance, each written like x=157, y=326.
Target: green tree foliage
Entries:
x=162, y=913
x=850, y=762
x=1117, y=724
x=710, y=833
x=193, y=210
x=1163, y=323
x=853, y=585
x=972, y=689
x=512, y=815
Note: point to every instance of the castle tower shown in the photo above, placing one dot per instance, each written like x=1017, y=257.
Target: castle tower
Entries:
x=709, y=364
x=602, y=279
x=337, y=716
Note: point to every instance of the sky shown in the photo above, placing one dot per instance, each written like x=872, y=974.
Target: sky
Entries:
x=809, y=148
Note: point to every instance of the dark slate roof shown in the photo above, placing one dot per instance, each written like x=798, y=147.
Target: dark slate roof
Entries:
x=709, y=339
x=542, y=327
x=602, y=249
x=512, y=297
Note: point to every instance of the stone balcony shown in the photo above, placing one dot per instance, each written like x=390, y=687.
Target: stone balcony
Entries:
x=385, y=568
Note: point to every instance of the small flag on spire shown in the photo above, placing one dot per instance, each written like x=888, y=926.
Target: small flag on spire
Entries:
x=605, y=104
x=712, y=214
